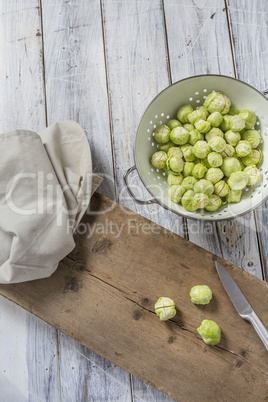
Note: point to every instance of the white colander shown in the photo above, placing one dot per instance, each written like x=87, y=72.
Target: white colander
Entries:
x=164, y=107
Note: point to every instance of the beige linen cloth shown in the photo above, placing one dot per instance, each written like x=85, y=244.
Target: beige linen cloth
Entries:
x=46, y=185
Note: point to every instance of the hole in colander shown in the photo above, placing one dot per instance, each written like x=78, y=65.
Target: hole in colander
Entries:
x=149, y=173
x=197, y=93
x=158, y=177
x=148, y=130
x=251, y=196
x=258, y=123
x=151, y=122
x=265, y=172
x=198, y=101
x=154, y=126
x=262, y=118
x=152, y=144
x=256, y=113
x=163, y=173
x=205, y=90
x=157, y=170
x=162, y=114
x=152, y=169
x=164, y=182
x=149, y=138
x=265, y=185
x=156, y=116
x=190, y=99
x=204, y=97
x=160, y=184
x=265, y=134
x=153, y=178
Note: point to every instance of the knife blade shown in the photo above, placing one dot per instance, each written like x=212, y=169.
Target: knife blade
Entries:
x=241, y=304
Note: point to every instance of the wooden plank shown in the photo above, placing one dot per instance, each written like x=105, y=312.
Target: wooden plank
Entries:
x=29, y=369
x=191, y=53
x=248, y=31
x=103, y=296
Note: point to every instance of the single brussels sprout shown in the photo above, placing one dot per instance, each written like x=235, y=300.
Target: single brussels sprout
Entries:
x=253, y=158
x=200, y=200
x=234, y=196
x=205, y=162
x=174, y=180
x=175, y=164
x=165, y=147
x=233, y=111
x=202, y=126
x=183, y=113
x=214, y=203
x=214, y=175
x=228, y=152
x=201, y=149
x=195, y=136
x=230, y=165
x=175, y=193
x=203, y=109
x=254, y=175
x=226, y=123
x=217, y=102
x=200, y=294
x=243, y=148
x=238, y=181
x=222, y=188
x=179, y=135
x=232, y=137
x=165, y=308
x=197, y=115
x=242, y=166
x=187, y=201
x=175, y=151
x=214, y=159
x=249, y=117
x=204, y=186
x=217, y=144
x=188, y=169
x=253, y=137
x=187, y=151
x=162, y=134
x=159, y=159
x=210, y=332
x=237, y=123
x=199, y=171
x=188, y=126
x=214, y=132
x=215, y=119
x=189, y=182
x=173, y=124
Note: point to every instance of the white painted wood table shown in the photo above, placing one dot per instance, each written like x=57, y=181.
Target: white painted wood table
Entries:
x=100, y=63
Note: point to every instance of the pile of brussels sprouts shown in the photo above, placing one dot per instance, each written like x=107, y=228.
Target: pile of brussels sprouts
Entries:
x=210, y=154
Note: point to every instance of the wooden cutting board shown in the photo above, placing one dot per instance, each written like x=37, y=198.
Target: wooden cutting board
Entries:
x=103, y=295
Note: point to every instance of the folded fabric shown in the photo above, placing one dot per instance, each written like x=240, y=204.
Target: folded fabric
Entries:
x=46, y=183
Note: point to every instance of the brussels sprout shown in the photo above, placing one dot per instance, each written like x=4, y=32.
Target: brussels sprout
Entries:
x=222, y=188
x=204, y=186
x=210, y=332
x=201, y=149
x=189, y=182
x=173, y=124
x=195, y=136
x=233, y=111
x=187, y=151
x=237, y=123
x=197, y=115
x=205, y=162
x=215, y=119
x=188, y=126
x=159, y=159
x=175, y=151
x=214, y=159
x=214, y=203
x=214, y=175
x=203, y=109
x=238, y=180
x=187, y=201
x=214, y=132
x=165, y=147
x=175, y=164
x=165, y=308
x=234, y=196
x=200, y=294
x=253, y=158
x=162, y=134
x=200, y=200
x=253, y=137
x=230, y=165
x=217, y=144
x=188, y=168
x=175, y=193
x=243, y=148
x=226, y=123
x=228, y=152
x=253, y=173
x=183, y=113
x=249, y=117
x=202, y=125
x=199, y=171
x=174, y=180
x=217, y=102
x=232, y=137
x=179, y=135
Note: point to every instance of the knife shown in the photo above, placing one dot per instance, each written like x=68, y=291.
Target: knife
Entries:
x=241, y=304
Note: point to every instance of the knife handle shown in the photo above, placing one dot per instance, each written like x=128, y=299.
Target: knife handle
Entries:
x=259, y=328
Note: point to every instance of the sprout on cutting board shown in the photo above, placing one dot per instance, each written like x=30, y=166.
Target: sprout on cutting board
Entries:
x=161, y=134
x=201, y=149
x=217, y=102
x=202, y=126
x=254, y=175
x=232, y=137
x=253, y=158
x=215, y=119
x=183, y=113
x=210, y=332
x=230, y=165
x=217, y=144
x=214, y=203
x=253, y=137
x=165, y=308
x=159, y=159
x=179, y=135
x=238, y=181
x=243, y=148
x=174, y=180
x=173, y=124
x=204, y=186
x=214, y=159
x=175, y=192
x=249, y=117
x=200, y=294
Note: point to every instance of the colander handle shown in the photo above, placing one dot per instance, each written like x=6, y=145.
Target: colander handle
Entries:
x=141, y=202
